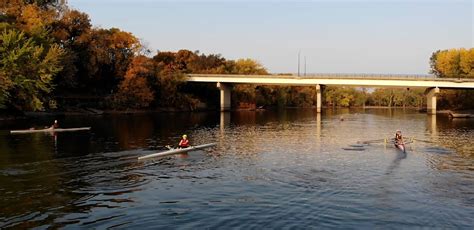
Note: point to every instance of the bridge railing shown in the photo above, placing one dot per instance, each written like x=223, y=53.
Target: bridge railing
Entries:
x=414, y=77
x=369, y=75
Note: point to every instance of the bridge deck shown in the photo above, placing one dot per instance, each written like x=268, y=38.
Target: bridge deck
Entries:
x=370, y=80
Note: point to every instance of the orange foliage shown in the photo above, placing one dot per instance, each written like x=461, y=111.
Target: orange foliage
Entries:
x=34, y=20
x=134, y=91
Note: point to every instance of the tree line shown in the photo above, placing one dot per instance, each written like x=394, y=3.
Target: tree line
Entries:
x=51, y=54
x=52, y=57
x=454, y=63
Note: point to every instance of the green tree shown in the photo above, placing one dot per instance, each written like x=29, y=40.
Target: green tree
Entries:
x=433, y=60
x=26, y=71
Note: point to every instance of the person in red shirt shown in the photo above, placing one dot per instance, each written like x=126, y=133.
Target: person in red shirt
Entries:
x=184, y=143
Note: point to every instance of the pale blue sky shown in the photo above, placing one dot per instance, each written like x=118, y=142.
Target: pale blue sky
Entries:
x=371, y=36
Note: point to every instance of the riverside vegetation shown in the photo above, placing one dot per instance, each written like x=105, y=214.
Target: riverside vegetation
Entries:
x=52, y=58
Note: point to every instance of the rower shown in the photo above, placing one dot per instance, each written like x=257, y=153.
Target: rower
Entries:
x=55, y=125
x=184, y=143
x=398, y=137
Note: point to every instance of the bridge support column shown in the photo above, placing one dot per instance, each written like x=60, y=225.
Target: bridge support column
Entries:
x=225, y=95
x=318, y=98
x=431, y=94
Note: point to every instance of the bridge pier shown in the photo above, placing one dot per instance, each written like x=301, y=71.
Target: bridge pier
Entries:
x=318, y=98
x=431, y=94
x=225, y=95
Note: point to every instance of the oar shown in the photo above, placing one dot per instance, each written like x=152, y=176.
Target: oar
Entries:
x=431, y=142
x=404, y=142
x=354, y=149
x=371, y=141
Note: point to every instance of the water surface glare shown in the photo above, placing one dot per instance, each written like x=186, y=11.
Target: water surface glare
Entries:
x=270, y=169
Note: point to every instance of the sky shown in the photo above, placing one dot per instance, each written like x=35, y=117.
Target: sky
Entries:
x=339, y=36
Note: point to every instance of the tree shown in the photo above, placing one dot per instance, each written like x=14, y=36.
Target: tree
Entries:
x=134, y=90
x=68, y=31
x=26, y=70
x=466, y=62
x=433, y=60
x=46, y=3
x=448, y=63
x=212, y=63
x=454, y=63
x=105, y=58
x=246, y=92
x=36, y=23
x=72, y=25
x=248, y=66
x=344, y=96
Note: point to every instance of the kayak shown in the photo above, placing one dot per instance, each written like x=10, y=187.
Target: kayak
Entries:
x=49, y=130
x=176, y=151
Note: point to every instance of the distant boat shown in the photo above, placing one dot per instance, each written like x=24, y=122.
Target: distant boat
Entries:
x=461, y=115
x=49, y=130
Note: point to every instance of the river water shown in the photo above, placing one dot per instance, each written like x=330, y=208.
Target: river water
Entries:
x=270, y=169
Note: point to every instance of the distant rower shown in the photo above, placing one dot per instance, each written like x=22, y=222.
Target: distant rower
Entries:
x=398, y=137
x=55, y=125
x=184, y=143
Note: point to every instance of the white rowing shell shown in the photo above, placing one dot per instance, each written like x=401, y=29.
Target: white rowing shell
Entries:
x=176, y=151
x=50, y=130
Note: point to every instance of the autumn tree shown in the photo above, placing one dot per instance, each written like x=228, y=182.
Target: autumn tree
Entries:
x=466, y=62
x=212, y=64
x=248, y=66
x=134, y=90
x=454, y=63
x=246, y=92
x=105, y=58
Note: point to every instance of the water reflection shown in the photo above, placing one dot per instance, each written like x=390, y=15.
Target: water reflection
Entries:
x=318, y=129
x=224, y=120
x=270, y=169
x=396, y=162
x=431, y=125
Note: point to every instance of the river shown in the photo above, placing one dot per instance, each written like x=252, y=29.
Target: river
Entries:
x=270, y=169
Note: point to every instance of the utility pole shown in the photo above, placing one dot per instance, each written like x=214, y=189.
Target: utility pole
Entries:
x=298, y=63
x=304, y=65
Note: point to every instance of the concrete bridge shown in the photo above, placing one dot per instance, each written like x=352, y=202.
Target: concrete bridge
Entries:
x=429, y=82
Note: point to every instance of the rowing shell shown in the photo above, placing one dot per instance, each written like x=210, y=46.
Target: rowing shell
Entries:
x=400, y=146
x=49, y=130
x=176, y=151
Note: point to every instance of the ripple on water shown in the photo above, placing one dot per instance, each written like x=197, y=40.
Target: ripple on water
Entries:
x=269, y=171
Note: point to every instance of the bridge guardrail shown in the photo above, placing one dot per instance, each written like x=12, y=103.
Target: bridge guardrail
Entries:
x=416, y=77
